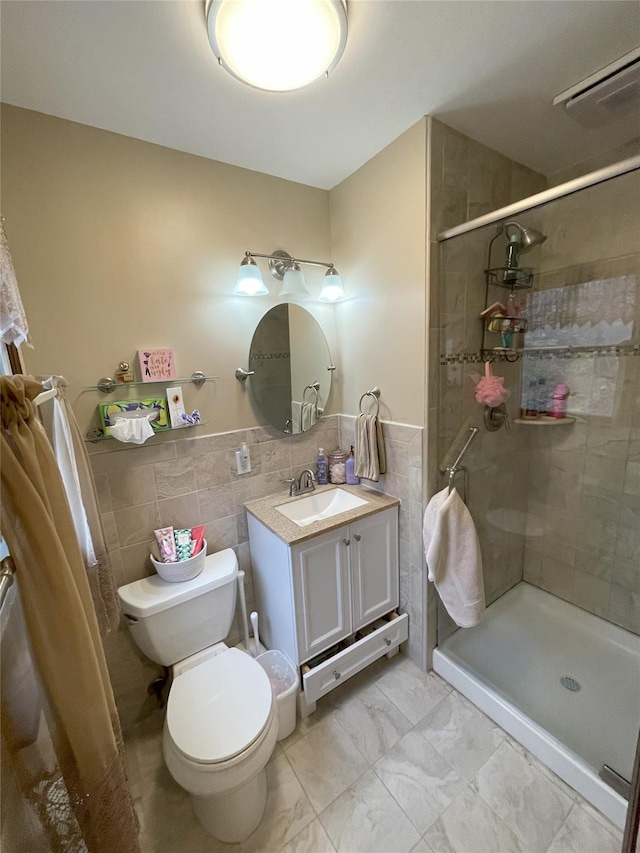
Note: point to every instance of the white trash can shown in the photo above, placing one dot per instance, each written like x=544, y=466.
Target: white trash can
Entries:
x=284, y=683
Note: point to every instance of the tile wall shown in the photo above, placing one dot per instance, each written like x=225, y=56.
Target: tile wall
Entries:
x=557, y=507
x=191, y=481
x=467, y=180
x=583, y=541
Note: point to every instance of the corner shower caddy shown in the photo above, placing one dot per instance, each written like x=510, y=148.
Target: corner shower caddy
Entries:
x=512, y=280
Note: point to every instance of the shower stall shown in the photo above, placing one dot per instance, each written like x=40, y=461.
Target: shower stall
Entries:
x=555, y=500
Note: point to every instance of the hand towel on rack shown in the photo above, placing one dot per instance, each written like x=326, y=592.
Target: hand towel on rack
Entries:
x=371, y=460
x=308, y=416
x=296, y=417
x=453, y=555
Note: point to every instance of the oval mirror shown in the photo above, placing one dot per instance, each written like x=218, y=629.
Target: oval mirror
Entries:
x=290, y=358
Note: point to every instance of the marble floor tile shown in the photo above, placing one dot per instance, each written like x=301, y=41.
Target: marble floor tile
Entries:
x=583, y=833
x=287, y=812
x=170, y=823
x=461, y=734
x=414, y=692
x=372, y=721
x=326, y=761
x=312, y=839
x=324, y=709
x=367, y=818
x=419, y=778
x=145, y=739
x=422, y=847
x=470, y=826
x=527, y=801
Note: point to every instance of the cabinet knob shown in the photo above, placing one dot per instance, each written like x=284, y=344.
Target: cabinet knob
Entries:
x=337, y=675
x=387, y=641
x=347, y=542
x=357, y=537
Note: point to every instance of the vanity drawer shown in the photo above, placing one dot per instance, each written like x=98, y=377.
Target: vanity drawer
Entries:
x=327, y=675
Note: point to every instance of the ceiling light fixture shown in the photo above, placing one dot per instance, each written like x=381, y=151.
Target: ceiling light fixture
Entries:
x=286, y=269
x=277, y=45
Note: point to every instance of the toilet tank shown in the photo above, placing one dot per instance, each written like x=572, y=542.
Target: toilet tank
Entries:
x=171, y=621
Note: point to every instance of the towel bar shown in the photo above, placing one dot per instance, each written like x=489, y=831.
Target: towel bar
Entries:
x=375, y=393
x=314, y=386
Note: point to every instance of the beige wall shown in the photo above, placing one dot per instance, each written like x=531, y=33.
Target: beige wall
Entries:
x=378, y=228
x=119, y=244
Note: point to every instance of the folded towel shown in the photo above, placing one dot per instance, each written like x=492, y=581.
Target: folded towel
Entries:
x=296, y=417
x=371, y=460
x=308, y=416
x=453, y=557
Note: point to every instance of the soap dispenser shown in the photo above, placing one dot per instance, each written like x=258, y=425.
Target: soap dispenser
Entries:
x=321, y=468
x=350, y=469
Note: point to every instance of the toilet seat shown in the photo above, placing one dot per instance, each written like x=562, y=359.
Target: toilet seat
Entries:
x=219, y=708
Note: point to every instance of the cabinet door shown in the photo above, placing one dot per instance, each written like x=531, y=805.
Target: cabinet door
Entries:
x=374, y=566
x=321, y=589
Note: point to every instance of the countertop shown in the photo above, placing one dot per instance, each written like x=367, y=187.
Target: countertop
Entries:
x=264, y=509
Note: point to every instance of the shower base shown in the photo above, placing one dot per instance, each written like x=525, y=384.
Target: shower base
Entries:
x=564, y=683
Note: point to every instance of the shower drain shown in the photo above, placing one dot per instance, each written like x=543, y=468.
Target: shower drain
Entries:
x=570, y=683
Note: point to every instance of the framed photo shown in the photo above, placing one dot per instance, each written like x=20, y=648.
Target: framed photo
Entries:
x=156, y=365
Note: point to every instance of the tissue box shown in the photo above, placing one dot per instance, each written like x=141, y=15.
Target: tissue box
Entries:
x=108, y=410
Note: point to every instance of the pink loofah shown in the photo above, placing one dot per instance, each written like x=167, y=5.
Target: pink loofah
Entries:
x=490, y=391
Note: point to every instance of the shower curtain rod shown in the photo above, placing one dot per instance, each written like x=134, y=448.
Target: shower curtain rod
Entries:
x=576, y=184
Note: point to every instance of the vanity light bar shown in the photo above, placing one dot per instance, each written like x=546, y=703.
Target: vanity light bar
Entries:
x=285, y=268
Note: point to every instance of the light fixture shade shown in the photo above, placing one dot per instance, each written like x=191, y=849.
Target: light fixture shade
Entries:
x=249, y=281
x=293, y=286
x=277, y=45
x=332, y=287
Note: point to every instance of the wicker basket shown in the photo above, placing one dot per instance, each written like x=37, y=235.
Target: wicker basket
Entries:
x=185, y=570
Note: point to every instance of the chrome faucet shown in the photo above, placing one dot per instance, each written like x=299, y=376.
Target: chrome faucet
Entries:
x=304, y=483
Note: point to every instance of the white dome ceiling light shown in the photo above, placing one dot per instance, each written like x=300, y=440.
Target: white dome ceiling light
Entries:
x=278, y=45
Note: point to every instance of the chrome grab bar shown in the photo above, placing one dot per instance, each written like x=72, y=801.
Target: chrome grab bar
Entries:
x=7, y=572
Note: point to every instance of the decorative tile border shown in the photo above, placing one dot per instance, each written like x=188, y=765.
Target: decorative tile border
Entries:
x=551, y=352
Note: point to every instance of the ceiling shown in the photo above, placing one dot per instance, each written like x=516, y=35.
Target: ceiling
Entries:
x=144, y=68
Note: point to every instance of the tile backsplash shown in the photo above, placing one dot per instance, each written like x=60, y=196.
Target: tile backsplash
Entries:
x=193, y=480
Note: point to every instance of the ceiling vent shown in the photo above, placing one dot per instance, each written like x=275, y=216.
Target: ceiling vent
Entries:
x=604, y=96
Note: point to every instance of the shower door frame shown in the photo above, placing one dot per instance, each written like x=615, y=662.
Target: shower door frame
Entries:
x=593, y=178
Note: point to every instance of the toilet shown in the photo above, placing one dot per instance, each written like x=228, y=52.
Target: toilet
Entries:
x=222, y=721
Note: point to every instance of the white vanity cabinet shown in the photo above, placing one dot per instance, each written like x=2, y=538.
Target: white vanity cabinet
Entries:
x=344, y=580
x=335, y=592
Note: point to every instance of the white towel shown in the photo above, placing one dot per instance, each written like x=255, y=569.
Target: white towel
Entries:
x=453, y=555
x=308, y=416
x=296, y=417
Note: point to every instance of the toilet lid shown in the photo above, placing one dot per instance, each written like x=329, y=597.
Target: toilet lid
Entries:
x=217, y=709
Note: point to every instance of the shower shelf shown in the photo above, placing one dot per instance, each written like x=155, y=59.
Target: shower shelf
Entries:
x=545, y=420
x=512, y=279
x=505, y=324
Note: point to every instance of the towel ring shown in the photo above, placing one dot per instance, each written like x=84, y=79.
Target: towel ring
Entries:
x=375, y=393
x=314, y=386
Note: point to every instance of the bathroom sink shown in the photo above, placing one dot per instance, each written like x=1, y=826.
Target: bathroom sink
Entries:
x=318, y=506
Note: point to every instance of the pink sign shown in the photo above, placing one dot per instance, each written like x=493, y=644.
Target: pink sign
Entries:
x=156, y=365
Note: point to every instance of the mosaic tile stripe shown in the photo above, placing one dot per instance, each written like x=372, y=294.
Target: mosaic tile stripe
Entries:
x=562, y=352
